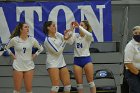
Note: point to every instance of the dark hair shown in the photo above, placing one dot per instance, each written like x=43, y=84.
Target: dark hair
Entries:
x=87, y=25
x=45, y=27
x=16, y=31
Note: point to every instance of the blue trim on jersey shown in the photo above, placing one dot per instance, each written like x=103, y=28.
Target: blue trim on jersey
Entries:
x=52, y=45
x=82, y=61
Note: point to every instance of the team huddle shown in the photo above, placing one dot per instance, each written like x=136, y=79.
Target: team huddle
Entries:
x=23, y=65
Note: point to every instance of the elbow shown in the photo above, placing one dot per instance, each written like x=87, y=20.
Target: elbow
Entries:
x=42, y=49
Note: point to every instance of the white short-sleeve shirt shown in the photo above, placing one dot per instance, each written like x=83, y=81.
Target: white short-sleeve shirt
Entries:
x=132, y=53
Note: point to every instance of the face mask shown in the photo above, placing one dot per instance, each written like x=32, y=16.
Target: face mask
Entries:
x=136, y=38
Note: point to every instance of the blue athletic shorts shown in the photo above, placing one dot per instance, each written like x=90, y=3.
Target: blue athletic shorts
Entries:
x=82, y=61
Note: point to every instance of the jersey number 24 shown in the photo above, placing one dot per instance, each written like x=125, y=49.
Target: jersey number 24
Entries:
x=79, y=45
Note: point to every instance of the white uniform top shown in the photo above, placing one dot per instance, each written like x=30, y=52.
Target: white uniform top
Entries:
x=55, y=47
x=132, y=53
x=23, y=52
x=81, y=44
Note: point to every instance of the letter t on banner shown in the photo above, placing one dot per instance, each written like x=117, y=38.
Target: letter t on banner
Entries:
x=29, y=16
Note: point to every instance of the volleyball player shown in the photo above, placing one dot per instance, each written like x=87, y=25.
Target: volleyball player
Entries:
x=23, y=65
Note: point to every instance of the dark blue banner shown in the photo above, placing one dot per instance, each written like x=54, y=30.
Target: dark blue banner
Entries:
x=98, y=13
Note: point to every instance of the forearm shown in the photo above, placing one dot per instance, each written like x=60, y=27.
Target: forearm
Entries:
x=40, y=49
x=13, y=55
x=61, y=48
x=85, y=31
x=132, y=68
x=71, y=40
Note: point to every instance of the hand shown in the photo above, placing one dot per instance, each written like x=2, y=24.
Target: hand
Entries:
x=71, y=26
x=75, y=24
x=13, y=56
x=33, y=56
x=67, y=34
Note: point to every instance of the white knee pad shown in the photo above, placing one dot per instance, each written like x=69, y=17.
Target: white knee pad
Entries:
x=91, y=84
x=15, y=91
x=67, y=88
x=55, y=88
x=79, y=86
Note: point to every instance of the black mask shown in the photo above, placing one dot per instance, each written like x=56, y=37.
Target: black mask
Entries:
x=136, y=38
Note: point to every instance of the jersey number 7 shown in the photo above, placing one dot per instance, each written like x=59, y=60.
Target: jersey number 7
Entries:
x=24, y=49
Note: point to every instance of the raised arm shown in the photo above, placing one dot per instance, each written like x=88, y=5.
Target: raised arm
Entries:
x=85, y=31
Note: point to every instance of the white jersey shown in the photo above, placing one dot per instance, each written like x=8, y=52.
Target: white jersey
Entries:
x=132, y=53
x=81, y=44
x=54, y=47
x=23, y=52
